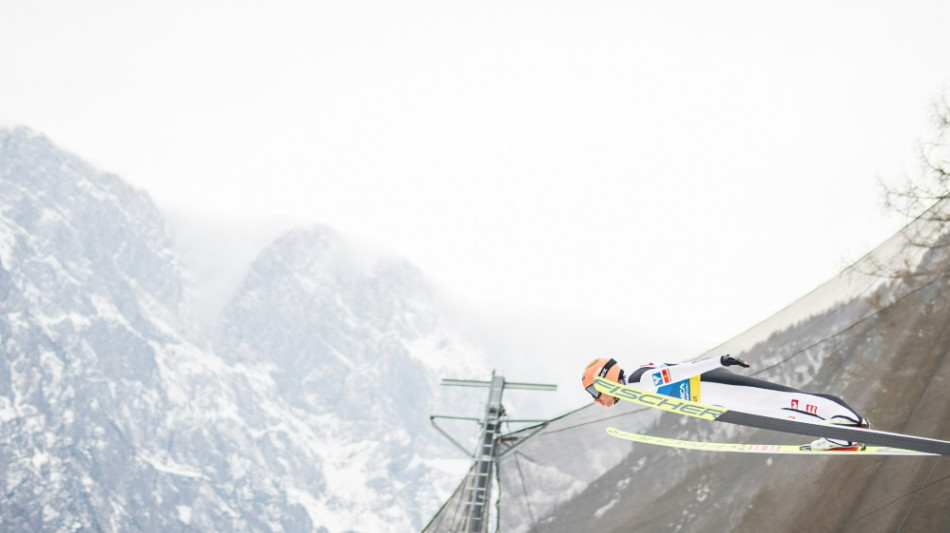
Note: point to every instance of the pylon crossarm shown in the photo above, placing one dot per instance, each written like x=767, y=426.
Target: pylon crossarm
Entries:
x=530, y=386
x=465, y=383
x=446, y=434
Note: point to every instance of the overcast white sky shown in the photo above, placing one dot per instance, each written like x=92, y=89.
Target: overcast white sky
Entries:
x=681, y=169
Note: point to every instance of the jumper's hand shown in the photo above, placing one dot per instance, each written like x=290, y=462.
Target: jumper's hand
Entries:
x=729, y=360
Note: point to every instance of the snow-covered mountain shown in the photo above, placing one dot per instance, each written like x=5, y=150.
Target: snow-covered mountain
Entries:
x=302, y=406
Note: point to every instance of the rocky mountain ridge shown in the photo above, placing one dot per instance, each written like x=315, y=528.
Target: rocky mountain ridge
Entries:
x=300, y=412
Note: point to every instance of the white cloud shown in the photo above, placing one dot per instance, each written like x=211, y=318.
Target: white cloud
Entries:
x=678, y=165
x=216, y=251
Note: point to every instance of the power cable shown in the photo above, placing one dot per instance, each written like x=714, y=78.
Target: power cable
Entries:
x=842, y=331
x=524, y=491
x=917, y=497
x=892, y=501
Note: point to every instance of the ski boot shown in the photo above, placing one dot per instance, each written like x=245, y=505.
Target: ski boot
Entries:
x=825, y=444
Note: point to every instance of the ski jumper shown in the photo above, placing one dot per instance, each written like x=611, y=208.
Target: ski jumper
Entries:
x=707, y=382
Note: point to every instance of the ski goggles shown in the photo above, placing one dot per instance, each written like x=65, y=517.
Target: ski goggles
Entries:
x=593, y=392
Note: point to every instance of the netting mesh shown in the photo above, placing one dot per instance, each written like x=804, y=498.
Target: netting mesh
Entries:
x=453, y=516
x=543, y=466
x=560, y=462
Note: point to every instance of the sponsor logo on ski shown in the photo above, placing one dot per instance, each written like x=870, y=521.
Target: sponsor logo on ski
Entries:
x=657, y=379
x=761, y=447
x=666, y=376
x=666, y=403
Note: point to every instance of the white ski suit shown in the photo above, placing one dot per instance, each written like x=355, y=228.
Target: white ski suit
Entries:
x=707, y=382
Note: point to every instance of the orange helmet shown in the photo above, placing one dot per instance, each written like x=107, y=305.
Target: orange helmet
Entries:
x=604, y=368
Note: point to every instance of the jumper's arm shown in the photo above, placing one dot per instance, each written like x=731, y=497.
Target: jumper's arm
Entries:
x=657, y=377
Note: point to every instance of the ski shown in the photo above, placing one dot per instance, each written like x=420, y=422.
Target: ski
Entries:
x=721, y=414
x=783, y=449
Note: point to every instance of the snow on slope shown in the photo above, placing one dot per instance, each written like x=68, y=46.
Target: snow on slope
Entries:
x=305, y=410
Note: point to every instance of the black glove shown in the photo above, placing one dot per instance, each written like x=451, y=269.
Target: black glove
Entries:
x=729, y=360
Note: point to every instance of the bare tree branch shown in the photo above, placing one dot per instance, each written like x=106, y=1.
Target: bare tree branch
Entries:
x=922, y=200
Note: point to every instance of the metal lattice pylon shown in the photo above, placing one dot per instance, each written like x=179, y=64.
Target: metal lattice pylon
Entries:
x=478, y=484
